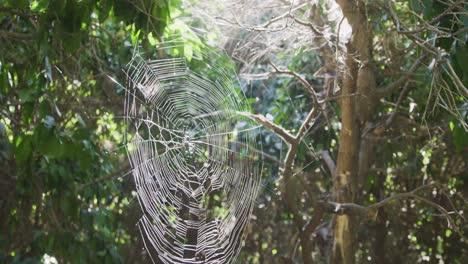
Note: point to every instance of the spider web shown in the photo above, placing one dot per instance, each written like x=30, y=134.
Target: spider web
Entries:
x=196, y=175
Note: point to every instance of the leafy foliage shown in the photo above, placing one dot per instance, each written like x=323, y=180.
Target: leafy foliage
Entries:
x=64, y=187
x=60, y=136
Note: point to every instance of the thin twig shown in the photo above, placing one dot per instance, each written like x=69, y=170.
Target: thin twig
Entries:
x=280, y=131
x=382, y=92
x=352, y=208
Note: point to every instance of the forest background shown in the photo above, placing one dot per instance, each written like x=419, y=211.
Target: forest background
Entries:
x=364, y=105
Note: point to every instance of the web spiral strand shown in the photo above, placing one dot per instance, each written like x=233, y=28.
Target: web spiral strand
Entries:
x=196, y=186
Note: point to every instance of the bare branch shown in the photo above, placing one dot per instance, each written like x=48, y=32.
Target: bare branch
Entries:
x=265, y=26
x=325, y=155
x=307, y=24
x=23, y=12
x=398, y=103
x=280, y=131
x=16, y=35
x=312, y=224
x=352, y=208
x=402, y=29
x=382, y=92
x=301, y=79
x=458, y=83
x=307, y=124
x=263, y=154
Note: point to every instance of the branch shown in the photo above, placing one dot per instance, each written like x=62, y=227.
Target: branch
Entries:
x=310, y=226
x=458, y=83
x=263, y=154
x=265, y=26
x=325, y=155
x=383, y=92
x=344, y=208
x=403, y=94
x=296, y=75
x=304, y=82
x=306, y=125
x=294, y=142
x=292, y=253
x=27, y=13
x=352, y=208
x=280, y=131
x=307, y=24
x=402, y=29
x=16, y=35
x=430, y=25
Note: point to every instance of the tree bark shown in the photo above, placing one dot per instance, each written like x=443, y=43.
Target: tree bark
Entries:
x=355, y=112
x=346, y=171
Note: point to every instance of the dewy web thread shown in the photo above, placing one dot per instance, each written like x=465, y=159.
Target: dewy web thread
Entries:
x=189, y=149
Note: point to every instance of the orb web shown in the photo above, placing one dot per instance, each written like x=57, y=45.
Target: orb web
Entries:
x=191, y=154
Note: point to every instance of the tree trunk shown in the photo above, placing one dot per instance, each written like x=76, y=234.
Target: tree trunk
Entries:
x=357, y=104
x=346, y=171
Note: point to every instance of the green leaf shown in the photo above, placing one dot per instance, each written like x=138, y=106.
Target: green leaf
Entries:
x=428, y=9
x=23, y=150
x=460, y=137
x=57, y=5
x=28, y=109
x=124, y=10
x=160, y=15
x=53, y=147
x=65, y=205
x=104, y=10
x=37, y=234
x=415, y=5
x=460, y=57
x=160, y=3
x=44, y=109
x=153, y=41
x=19, y=3
x=27, y=95
x=72, y=41
x=188, y=51
x=39, y=5
x=84, y=155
